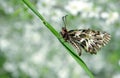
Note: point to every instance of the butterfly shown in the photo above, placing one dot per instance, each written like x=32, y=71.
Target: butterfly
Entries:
x=90, y=40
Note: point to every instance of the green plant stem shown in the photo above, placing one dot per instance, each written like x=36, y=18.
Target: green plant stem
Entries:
x=66, y=45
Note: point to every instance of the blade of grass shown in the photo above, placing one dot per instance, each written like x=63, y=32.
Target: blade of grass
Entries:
x=66, y=45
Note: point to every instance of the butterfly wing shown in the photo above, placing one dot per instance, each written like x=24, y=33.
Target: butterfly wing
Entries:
x=90, y=40
x=76, y=45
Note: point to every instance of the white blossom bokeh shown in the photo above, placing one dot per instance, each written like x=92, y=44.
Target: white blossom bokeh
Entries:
x=29, y=50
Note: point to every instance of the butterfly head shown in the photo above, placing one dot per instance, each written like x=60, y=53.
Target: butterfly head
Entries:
x=64, y=33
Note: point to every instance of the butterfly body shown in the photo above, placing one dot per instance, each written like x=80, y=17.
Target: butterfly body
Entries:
x=90, y=40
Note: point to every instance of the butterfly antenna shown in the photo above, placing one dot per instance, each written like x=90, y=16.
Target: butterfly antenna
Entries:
x=64, y=20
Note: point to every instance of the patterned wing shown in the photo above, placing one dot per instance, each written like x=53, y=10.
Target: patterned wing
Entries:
x=90, y=40
x=76, y=45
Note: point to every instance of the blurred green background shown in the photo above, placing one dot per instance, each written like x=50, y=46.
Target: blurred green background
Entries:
x=29, y=50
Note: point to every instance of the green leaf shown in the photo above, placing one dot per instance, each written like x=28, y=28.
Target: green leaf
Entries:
x=57, y=35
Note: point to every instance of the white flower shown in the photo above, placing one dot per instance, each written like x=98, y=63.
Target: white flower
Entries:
x=77, y=6
x=38, y=58
x=116, y=75
x=93, y=12
x=56, y=15
x=112, y=17
x=48, y=3
x=44, y=6
x=4, y=43
x=104, y=15
x=11, y=67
